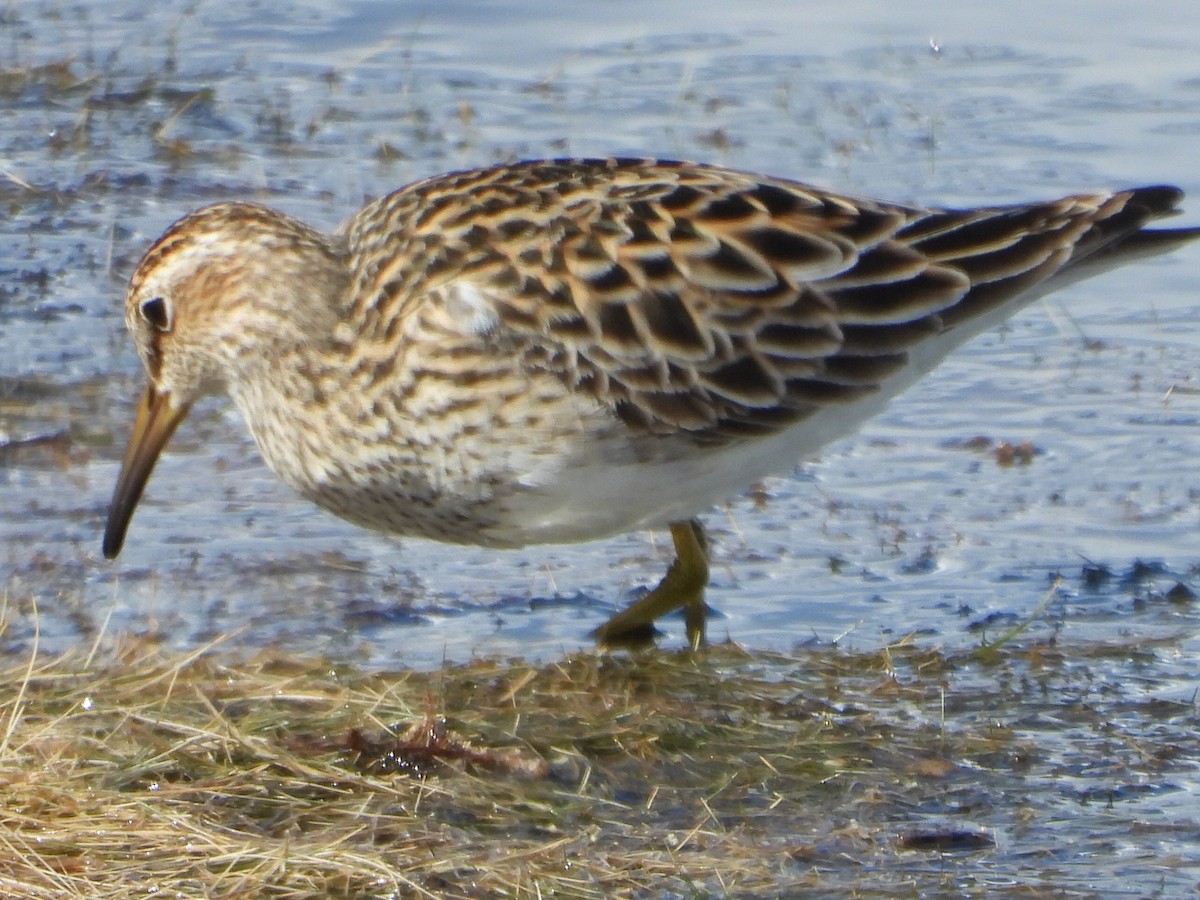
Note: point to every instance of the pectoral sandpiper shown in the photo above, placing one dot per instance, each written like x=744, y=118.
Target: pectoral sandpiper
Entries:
x=564, y=350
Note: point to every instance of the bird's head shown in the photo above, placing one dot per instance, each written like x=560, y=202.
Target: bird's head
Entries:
x=211, y=301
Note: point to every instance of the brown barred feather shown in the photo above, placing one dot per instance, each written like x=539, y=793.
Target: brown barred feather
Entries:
x=563, y=349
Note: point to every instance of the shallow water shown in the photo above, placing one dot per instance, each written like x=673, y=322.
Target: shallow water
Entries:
x=117, y=123
x=117, y=118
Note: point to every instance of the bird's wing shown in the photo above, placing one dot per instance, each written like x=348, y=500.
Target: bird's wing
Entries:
x=699, y=299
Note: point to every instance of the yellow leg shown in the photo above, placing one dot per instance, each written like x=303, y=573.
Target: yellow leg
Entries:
x=682, y=586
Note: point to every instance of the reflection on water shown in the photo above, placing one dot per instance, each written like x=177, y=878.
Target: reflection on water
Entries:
x=115, y=131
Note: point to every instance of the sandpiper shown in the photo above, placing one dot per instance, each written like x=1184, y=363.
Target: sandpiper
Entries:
x=563, y=350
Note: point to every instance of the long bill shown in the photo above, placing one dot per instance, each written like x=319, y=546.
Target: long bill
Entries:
x=157, y=419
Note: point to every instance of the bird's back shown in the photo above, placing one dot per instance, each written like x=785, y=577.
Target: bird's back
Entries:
x=678, y=331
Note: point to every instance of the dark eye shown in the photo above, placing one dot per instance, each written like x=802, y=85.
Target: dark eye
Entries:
x=155, y=312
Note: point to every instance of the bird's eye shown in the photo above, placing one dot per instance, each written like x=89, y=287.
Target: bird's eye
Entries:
x=155, y=312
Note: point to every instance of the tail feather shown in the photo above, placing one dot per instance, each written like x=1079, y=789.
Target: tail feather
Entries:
x=1122, y=237
x=1109, y=241
x=1138, y=245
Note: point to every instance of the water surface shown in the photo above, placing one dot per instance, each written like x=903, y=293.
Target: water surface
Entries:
x=119, y=117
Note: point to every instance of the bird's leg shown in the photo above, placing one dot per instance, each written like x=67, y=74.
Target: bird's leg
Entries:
x=682, y=586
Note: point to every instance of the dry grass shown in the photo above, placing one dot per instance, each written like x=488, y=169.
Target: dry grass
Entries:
x=723, y=773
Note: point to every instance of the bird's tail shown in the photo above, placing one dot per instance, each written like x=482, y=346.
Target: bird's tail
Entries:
x=1123, y=237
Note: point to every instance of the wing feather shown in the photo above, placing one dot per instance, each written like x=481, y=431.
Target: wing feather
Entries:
x=697, y=299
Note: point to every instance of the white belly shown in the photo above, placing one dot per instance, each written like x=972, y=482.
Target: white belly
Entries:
x=599, y=500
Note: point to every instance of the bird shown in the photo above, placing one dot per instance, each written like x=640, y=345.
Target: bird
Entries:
x=557, y=351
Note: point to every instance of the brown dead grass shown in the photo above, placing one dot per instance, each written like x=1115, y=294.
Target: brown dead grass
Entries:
x=722, y=773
